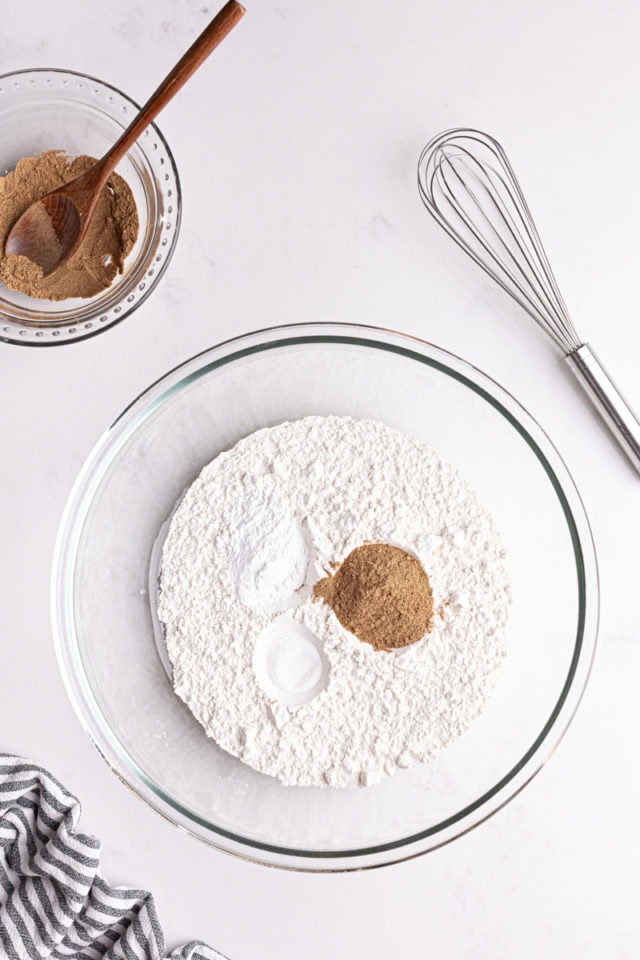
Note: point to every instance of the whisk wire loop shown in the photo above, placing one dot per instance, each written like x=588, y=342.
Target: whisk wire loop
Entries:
x=467, y=184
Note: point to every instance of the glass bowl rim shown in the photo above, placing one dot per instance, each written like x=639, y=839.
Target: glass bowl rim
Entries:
x=177, y=219
x=97, y=466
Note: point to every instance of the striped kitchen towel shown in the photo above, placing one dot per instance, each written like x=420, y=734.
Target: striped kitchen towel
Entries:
x=53, y=901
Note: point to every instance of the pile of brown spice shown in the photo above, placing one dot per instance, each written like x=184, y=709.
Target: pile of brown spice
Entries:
x=381, y=594
x=110, y=237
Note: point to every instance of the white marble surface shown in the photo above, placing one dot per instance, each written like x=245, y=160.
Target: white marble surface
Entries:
x=297, y=146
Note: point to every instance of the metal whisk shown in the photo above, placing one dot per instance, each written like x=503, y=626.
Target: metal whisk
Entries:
x=466, y=182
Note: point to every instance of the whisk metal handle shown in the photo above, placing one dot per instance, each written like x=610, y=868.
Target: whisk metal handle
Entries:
x=607, y=399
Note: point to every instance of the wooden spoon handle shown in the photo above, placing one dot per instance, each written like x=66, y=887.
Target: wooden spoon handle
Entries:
x=223, y=22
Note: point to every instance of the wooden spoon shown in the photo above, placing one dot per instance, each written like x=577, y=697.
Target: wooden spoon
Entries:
x=52, y=228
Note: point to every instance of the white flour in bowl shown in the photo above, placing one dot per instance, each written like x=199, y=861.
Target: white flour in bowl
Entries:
x=272, y=675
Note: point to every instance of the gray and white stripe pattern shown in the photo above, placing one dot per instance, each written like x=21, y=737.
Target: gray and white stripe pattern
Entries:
x=53, y=901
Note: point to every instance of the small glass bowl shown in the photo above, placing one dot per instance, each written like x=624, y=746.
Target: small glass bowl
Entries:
x=57, y=109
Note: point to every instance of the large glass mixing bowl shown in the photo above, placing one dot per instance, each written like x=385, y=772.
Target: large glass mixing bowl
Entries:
x=106, y=560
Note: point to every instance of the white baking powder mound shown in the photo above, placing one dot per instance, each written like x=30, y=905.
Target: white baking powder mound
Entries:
x=270, y=673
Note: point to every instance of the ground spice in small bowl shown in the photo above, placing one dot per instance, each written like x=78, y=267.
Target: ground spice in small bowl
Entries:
x=111, y=235
x=381, y=594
